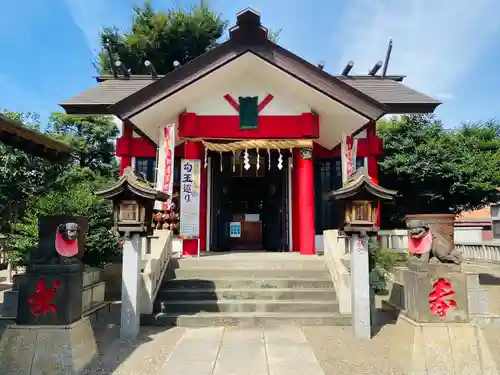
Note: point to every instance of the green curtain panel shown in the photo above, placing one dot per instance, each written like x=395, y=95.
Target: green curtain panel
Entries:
x=248, y=112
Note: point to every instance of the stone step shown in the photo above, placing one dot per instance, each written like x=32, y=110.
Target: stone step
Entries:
x=248, y=263
x=230, y=272
x=248, y=283
x=315, y=294
x=247, y=320
x=486, y=320
x=243, y=306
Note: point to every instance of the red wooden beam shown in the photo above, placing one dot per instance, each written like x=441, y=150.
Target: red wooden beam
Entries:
x=301, y=126
x=265, y=102
x=232, y=102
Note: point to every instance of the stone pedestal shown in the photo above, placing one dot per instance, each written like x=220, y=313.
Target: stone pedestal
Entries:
x=420, y=280
x=131, y=287
x=55, y=350
x=428, y=343
x=360, y=287
x=50, y=295
x=442, y=348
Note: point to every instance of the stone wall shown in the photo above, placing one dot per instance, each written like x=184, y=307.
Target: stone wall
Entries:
x=337, y=257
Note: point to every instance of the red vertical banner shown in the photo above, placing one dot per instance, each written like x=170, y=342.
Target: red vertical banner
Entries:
x=165, y=164
x=348, y=157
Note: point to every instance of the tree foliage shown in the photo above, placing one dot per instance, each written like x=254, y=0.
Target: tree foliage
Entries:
x=94, y=136
x=101, y=244
x=162, y=37
x=31, y=186
x=436, y=170
x=21, y=174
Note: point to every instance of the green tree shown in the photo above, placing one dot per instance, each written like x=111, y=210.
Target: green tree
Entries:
x=31, y=186
x=436, y=170
x=162, y=37
x=101, y=244
x=94, y=136
x=21, y=174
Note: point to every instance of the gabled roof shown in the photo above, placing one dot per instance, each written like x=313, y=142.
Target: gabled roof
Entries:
x=398, y=97
x=15, y=134
x=135, y=184
x=126, y=97
x=358, y=182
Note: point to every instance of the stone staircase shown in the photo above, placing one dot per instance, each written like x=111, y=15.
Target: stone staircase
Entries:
x=256, y=289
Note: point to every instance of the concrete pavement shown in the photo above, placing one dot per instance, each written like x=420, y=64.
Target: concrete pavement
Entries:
x=286, y=350
x=234, y=351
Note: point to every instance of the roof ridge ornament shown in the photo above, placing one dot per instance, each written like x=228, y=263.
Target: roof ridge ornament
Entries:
x=248, y=28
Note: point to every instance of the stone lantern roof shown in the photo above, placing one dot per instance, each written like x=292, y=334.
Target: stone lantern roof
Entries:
x=129, y=181
x=360, y=182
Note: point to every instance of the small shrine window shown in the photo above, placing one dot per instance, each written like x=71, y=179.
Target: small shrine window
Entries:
x=129, y=211
x=146, y=167
x=249, y=113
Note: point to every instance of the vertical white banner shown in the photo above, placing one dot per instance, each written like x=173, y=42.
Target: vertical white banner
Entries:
x=165, y=164
x=345, y=159
x=190, y=199
x=354, y=151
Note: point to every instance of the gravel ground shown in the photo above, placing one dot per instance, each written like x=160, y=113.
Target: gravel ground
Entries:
x=340, y=354
x=492, y=336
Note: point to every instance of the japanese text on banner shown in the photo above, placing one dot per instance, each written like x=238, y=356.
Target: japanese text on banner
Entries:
x=190, y=199
x=165, y=164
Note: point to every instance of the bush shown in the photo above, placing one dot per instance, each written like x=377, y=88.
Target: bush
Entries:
x=101, y=245
x=381, y=261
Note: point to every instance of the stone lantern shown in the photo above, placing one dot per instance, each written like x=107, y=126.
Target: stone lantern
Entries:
x=359, y=199
x=133, y=200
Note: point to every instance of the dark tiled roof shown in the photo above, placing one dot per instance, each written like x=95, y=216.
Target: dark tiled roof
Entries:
x=366, y=95
x=395, y=95
x=106, y=93
x=387, y=91
x=15, y=134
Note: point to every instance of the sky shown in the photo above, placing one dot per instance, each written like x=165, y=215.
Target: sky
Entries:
x=448, y=49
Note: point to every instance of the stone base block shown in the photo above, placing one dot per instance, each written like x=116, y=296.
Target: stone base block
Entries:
x=442, y=348
x=419, y=280
x=54, y=350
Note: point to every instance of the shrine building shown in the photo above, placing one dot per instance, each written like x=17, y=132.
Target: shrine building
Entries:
x=266, y=126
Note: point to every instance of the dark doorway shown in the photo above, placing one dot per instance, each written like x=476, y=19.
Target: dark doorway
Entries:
x=249, y=207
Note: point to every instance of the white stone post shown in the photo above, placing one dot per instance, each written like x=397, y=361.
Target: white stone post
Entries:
x=360, y=287
x=131, y=287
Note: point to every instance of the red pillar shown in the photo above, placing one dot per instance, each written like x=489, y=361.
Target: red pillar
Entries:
x=306, y=202
x=371, y=133
x=194, y=150
x=128, y=134
x=295, y=201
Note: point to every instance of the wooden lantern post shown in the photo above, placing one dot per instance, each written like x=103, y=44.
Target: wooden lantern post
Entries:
x=359, y=198
x=133, y=200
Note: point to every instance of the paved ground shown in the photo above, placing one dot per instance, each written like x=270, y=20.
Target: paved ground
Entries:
x=288, y=350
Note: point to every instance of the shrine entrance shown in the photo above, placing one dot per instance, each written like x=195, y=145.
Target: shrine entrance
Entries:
x=249, y=206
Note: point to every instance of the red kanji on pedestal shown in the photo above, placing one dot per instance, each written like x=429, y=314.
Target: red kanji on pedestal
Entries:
x=41, y=301
x=437, y=298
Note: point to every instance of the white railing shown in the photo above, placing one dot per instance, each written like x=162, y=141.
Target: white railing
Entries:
x=484, y=251
x=156, y=260
x=337, y=255
x=396, y=239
